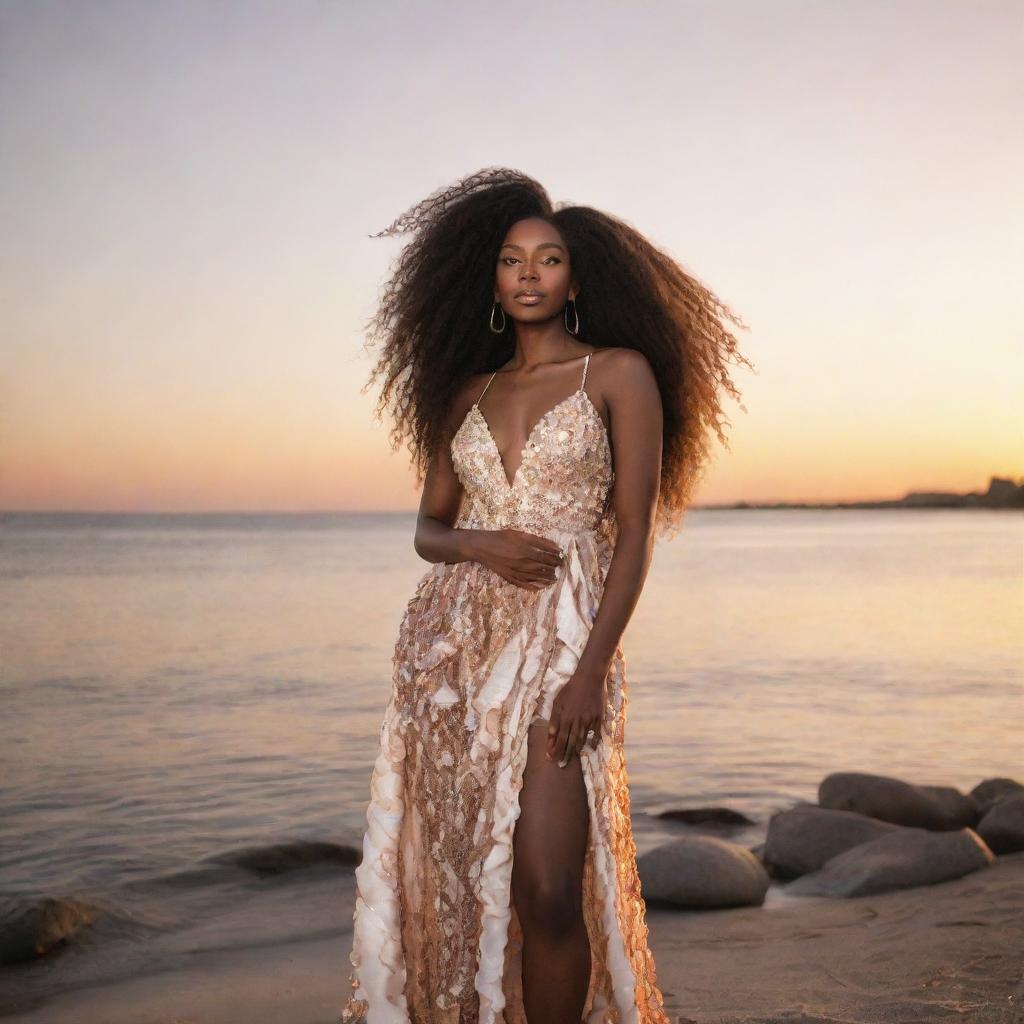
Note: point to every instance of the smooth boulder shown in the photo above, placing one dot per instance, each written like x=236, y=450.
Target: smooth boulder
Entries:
x=702, y=872
x=988, y=793
x=902, y=859
x=939, y=808
x=35, y=928
x=279, y=858
x=801, y=839
x=707, y=817
x=1003, y=827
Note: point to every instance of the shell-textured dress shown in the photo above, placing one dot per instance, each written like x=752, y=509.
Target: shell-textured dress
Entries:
x=436, y=938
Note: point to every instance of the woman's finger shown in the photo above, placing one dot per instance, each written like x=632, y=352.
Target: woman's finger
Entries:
x=582, y=740
x=548, y=550
x=561, y=743
x=570, y=744
x=576, y=737
x=552, y=733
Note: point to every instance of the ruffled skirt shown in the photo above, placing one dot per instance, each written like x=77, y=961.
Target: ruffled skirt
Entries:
x=436, y=936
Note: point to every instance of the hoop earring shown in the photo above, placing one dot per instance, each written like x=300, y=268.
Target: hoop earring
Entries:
x=501, y=329
x=576, y=315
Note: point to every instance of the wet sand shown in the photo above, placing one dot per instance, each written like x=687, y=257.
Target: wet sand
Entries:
x=953, y=951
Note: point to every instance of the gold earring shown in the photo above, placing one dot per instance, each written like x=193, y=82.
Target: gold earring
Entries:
x=575, y=314
x=501, y=329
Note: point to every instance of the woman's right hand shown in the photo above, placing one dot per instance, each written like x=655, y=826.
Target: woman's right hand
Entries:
x=525, y=559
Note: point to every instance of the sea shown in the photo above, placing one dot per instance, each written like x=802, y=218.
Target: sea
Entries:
x=191, y=703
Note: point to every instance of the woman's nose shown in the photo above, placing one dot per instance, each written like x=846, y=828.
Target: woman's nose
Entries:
x=527, y=272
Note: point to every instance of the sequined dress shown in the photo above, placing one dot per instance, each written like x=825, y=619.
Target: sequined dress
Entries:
x=436, y=937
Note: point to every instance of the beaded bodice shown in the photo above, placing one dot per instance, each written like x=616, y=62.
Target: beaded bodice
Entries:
x=564, y=478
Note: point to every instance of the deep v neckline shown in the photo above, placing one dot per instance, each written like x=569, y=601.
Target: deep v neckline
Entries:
x=524, y=454
x=527, y=448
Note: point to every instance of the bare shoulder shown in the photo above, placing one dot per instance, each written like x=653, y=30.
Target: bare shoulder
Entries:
x=472, y=387
x=464, y=397
x=625, y=372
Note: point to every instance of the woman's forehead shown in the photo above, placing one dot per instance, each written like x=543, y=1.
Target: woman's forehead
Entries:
x=533, y=232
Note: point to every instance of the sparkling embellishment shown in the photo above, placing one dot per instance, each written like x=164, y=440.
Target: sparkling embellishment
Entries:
x=570, y=461
x=476, y=661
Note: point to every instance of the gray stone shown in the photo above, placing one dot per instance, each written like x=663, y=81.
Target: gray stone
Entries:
x=900, y=860
x=279, y=858
x=991, y=791
x=711, y=817
x=702, y=872
x=879, y=796
x=803, y=838
x=1003, y=827
x=31, y=929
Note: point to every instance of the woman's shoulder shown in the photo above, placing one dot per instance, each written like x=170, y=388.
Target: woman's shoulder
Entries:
x=463, y=398
x=468, y=392
x=615, y=360
x=625, y=375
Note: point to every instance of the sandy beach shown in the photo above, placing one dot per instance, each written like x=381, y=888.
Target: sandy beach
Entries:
x=952, y=951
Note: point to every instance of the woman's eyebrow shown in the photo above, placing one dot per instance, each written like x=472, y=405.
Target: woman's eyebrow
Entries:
x=543, y=245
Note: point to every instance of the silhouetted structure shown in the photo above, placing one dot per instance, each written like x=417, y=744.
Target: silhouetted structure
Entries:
x=1001, y=493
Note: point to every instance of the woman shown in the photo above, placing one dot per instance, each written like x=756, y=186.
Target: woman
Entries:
x=527, y=350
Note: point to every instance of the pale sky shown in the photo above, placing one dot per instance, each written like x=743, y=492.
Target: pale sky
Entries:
x=187, y=191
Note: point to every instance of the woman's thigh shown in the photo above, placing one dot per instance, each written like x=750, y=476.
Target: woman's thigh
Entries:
x=550, y=838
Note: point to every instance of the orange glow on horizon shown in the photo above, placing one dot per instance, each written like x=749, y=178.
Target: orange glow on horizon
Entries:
x=186, y=284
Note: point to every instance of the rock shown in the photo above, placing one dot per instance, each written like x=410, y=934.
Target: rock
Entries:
x=717, y=817
x=1003, y=827
x=878, y=796
x=900, y=860
x=991, y=791
x=278, y=858
x=803, y=838
x=31, y=929
x=702, y=872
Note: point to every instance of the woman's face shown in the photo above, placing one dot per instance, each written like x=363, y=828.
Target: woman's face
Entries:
x=533, y=281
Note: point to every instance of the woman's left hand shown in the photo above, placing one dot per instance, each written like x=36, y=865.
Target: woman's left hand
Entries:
x=577, y=708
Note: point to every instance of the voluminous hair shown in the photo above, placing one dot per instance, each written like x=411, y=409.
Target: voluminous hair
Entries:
x=432, y=320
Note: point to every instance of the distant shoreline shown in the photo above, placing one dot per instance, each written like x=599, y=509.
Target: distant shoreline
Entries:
x=1001, y=493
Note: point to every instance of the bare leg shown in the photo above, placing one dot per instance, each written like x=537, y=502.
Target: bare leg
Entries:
x=549, y=846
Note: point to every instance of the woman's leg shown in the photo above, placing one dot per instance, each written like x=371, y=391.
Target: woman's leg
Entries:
x=549, y=846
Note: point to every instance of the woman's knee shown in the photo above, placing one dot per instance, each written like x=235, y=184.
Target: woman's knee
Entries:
x=551, y=904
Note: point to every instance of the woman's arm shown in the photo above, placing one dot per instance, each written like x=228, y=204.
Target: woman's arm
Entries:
x=631, y=393
x=436, y=539
x=520, y=557
x=634, y=404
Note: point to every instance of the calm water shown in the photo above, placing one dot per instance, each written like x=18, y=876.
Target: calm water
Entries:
x=179, y=687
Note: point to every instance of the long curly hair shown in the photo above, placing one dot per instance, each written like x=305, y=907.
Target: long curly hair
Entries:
x=432, y=320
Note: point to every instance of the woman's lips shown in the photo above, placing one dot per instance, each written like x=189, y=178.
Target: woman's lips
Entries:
x=529, y=300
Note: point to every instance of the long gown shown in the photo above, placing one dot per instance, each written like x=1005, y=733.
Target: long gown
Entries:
x=436, y=936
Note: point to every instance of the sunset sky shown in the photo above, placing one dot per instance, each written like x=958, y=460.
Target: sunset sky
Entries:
x=187, y=191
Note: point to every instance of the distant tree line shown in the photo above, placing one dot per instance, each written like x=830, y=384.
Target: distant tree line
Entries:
x=1002, y=493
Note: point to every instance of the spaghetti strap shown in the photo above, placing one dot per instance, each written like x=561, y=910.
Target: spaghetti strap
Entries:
x=484, y=392
x=586, y=366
